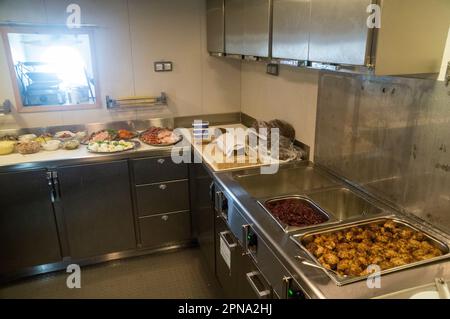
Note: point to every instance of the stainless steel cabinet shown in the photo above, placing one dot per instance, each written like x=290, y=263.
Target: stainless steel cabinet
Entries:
x=162, y=201
x=96, y=208
x=164, y=197
x=291, y=24
x=28, y=232
x=248, y=27
x=339, y=32
x=165, y=229
x=215, y=21
x=203, y=213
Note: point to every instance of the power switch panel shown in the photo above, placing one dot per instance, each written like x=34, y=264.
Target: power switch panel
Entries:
x=163, y=66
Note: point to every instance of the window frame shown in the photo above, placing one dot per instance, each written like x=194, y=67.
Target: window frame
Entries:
x=4, y=30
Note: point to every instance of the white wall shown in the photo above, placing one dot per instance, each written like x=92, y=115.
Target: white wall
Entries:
x=130, y=36
x=291, y=96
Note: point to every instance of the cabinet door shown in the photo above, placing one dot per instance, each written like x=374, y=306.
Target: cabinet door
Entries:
x=339, y=32
x=203, y=213
x=28, y=233
x=234, y=26
x=290, y=39
x=97, y=209
x=257, y=15
x=215, y=25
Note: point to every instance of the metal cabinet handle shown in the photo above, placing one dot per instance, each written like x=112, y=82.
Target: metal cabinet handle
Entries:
x=163, y=187
x=264, y=294
x=161, y=161
x=223, y=235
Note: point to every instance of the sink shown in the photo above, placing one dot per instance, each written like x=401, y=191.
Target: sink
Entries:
x=292, y=180
x=343, y=203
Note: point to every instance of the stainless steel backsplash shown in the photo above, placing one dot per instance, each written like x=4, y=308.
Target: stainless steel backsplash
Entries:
x=391, y=136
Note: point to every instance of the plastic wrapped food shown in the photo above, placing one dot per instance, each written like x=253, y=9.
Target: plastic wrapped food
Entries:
x=30, y=147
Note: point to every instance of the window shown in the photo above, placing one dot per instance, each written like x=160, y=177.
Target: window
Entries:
x=52, y=70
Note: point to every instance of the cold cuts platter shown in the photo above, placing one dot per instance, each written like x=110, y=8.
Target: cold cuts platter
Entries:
x=159, y=136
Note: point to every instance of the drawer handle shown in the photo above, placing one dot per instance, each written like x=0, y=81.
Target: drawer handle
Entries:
x=161, y=161
x=251, y=280
x=163, y=187
x=165, y=218
x=223, y=235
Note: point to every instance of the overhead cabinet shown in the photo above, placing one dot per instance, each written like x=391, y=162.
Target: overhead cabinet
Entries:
x=339, y=32
x=394, y=37
x=291, y=24
x=248, y=27
x=215, y=19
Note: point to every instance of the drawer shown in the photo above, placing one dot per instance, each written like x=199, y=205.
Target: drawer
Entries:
x=157, y=169
x=161, y=230
x=163, y=197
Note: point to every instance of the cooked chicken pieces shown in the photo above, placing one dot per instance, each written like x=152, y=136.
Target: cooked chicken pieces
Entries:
x=349, y=252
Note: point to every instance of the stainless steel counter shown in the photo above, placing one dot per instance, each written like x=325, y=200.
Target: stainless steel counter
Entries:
x=315, y=282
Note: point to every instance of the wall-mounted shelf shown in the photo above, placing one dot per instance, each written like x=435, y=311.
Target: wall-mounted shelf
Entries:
x=136, y=102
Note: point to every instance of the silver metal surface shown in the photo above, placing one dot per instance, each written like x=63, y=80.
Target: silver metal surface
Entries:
x=343, y=203
x=248, y=27
x=252, y=277
x=308, y=263
x=293, y=179
x=290, y=229
x=215, y=26
x=441, y=244
x=291, y=20
x=339, y=32
x=447, y=75
x=138, y=102
x=389, y=136
x=234, y=26
x=278, y=249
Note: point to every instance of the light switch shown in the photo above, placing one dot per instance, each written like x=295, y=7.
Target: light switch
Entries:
x=163, y=66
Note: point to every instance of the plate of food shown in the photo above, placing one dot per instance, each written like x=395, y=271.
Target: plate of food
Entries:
x=111, y=146
x=101, y=136
x=159, y=136
x=64, y=136
x=126, y=134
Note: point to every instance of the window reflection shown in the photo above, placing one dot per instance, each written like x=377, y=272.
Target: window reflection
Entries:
x=53, y=69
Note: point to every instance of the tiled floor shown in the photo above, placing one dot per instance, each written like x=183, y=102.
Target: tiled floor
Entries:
x=180, y=275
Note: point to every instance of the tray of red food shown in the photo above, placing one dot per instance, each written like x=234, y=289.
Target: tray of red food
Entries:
x=159, y=136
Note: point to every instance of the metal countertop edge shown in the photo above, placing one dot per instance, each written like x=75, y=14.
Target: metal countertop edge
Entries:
x=314, y=281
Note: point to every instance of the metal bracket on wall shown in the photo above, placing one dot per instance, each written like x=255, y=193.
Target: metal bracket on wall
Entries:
x=130, y=102
x=447, y=75
x=6, y=107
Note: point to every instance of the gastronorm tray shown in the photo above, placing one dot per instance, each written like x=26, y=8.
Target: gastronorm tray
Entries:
x=289, y=229
x=340, y=280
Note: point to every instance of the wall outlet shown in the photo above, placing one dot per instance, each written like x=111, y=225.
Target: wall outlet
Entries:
x=163, y=66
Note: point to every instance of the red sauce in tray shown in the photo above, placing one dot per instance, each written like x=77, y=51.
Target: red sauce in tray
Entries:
x=296, y=212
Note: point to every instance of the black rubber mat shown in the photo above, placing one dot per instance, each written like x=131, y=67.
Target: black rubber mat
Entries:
x=179, y=275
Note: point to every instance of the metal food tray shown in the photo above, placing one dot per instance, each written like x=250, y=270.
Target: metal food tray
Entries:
x=289, y=229
x=180, y=137
x=341, y=281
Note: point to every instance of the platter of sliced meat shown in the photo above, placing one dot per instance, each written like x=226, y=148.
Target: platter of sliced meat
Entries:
x=159, y=136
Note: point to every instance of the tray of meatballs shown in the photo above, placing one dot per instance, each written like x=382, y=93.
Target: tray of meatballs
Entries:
x=353, y=251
